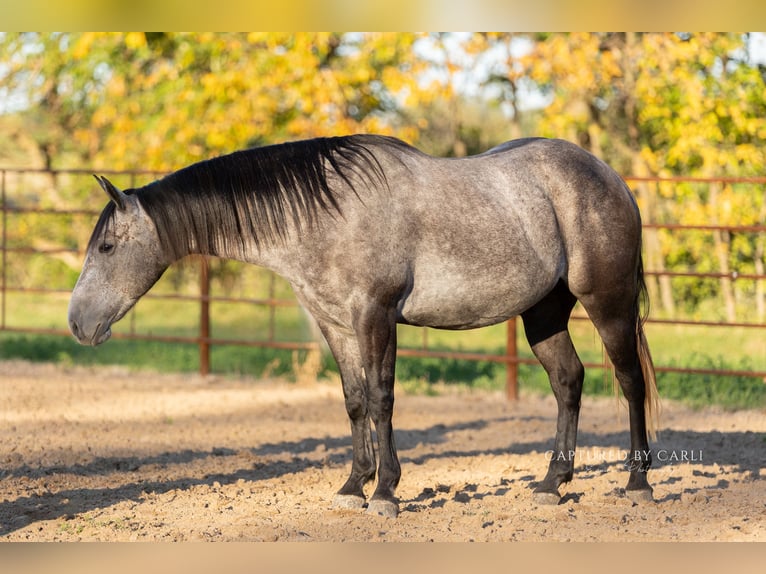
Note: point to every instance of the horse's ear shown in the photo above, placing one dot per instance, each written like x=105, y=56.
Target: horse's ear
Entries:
x=117, y=196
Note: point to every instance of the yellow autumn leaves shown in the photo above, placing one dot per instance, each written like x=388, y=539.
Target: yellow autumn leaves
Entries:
x=673, y=102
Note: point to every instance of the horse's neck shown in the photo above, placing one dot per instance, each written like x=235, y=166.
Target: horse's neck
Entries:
x=278, y=254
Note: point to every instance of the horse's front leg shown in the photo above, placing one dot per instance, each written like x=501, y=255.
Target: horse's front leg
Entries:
x=346, y=352
x=376, y=334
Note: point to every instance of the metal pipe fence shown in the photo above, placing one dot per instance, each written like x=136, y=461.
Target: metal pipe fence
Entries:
x=16, y=202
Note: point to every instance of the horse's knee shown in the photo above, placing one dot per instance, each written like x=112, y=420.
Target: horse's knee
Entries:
x=356, y=404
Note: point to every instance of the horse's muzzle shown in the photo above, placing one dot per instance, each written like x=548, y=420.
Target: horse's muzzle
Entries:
x=101, y=333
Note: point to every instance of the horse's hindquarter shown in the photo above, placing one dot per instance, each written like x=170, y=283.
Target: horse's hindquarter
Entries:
x=597, y=216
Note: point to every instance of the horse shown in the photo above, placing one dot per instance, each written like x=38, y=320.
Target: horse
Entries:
x=371, y=232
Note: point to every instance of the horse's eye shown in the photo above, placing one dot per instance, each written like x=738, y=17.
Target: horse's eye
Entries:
x=105, y=248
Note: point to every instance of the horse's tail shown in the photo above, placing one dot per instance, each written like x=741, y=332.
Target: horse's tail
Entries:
x=652, y=399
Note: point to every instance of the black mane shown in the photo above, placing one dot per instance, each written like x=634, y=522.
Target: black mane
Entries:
x=215, y=205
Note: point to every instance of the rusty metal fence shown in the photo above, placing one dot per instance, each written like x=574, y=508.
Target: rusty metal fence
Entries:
x=58, y=197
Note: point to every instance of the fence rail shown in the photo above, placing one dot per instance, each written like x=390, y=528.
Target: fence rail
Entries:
x=12, y=204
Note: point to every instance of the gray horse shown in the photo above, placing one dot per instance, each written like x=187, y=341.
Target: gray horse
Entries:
x=371, y=232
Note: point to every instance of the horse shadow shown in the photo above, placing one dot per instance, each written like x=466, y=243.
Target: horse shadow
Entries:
x=721, y=448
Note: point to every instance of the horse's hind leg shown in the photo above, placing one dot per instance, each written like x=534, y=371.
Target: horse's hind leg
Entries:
x=545, y=326
x=615, y=318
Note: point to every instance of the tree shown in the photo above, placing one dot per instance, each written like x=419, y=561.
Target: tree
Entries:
x=162, y=100
x=702, y=114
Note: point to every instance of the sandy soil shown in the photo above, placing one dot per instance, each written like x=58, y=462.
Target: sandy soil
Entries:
x=105, y=454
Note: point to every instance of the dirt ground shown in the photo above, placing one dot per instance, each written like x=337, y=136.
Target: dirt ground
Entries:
x=106, y=454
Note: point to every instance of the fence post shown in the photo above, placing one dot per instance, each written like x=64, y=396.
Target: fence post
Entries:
x=512, y=363
x=204, y=318
x=4, y=277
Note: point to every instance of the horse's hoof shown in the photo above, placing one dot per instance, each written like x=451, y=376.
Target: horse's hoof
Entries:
x=348, y=501
x=383, y=508
x=547, y=498
x=639, y=496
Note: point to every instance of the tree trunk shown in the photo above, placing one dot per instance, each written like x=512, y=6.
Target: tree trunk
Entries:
x=659, y=286
x=760, y=292
x=721, y=242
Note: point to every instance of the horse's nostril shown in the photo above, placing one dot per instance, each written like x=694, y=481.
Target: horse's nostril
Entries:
x=74, y=328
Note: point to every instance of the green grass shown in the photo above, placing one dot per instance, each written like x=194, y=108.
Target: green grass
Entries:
x=151, y=355
x=687, y=346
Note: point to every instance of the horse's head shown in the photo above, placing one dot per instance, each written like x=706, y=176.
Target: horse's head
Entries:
x=124, y=259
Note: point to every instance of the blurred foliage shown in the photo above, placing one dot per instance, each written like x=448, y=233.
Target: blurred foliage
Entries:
x=162, y=100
